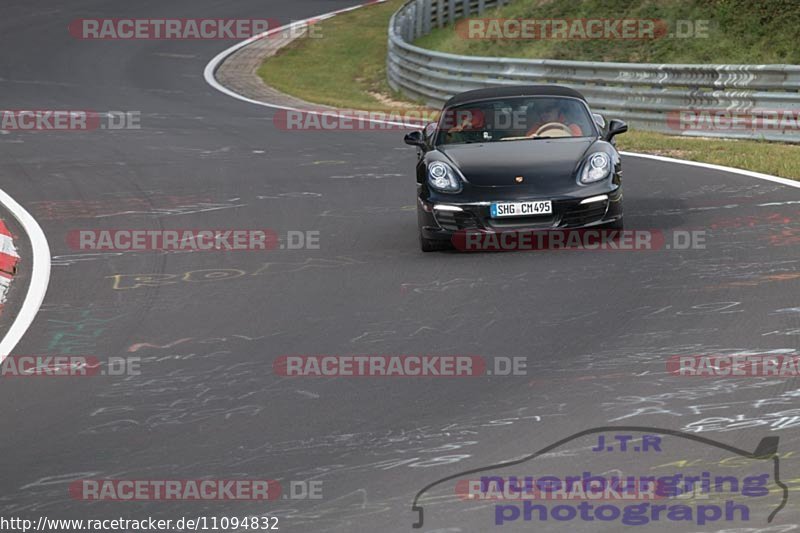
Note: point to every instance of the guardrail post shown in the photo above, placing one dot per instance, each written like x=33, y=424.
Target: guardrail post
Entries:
x=426, y=20
x=451, y=11
x=411, y=27
x=466, y=9
x=418, y=14
x=481, y=6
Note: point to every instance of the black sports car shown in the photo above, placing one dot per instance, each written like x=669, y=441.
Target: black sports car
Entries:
x=516, y=158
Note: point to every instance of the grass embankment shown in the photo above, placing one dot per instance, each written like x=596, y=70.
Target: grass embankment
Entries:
x=712, y=31
x=344, y=67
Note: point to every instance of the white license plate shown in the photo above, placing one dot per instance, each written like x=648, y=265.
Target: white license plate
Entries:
x=521, y=209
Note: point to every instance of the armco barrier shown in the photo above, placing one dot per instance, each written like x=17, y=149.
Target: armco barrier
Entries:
x=648, y=96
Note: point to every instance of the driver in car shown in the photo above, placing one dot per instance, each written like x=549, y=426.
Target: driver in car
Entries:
x=549, y=112
x=468, y=125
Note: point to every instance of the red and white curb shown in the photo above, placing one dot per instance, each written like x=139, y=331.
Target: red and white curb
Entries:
x=39, y=274
x=8, y=262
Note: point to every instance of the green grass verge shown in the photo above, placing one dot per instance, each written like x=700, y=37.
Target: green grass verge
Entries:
x=344, y=67
x=768, y=157
x=738, y=31
x=347, y=68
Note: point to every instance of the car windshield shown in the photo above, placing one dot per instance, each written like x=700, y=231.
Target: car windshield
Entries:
x=517, y=118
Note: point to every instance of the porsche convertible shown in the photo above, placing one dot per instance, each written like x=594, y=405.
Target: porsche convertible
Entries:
x=516, y=158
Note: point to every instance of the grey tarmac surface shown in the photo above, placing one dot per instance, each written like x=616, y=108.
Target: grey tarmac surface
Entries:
x=595, y=327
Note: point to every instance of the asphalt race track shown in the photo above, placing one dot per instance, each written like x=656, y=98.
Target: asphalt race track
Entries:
x=595, y=327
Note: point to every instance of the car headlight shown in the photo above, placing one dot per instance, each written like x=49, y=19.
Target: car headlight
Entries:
x=442, y=177
x=597, y=167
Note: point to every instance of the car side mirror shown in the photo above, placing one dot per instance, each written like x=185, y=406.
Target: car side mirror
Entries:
x=415, y=138
x=615, y=127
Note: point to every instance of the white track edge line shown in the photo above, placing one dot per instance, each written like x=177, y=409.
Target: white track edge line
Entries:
x=711, y=166
x=40, y=275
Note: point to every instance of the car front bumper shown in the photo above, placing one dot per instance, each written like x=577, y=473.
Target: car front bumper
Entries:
x=440, y=219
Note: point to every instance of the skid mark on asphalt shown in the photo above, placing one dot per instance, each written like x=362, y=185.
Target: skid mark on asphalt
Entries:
x=324, y=162
x=67, y=209
x=714, y=190
x=137, y=281
x=286, y=195
x=209, y=340
x=188, y=394
x=184, y=397
x=369, y=175
x=79, y=335
x=180, y=210
x=459, y=284
x=787, y=310
x=760, y=280
x=399, y=443
x=139, y=345
x=361, y=211
x=67, y=260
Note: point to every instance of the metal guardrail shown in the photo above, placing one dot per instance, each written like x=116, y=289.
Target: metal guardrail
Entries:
x=647, y=96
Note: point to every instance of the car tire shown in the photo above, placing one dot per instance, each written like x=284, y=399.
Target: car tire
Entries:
x=431, y=245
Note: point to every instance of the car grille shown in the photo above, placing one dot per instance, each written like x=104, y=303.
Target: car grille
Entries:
x=522, y=222
x=584, y=214
x=569, y=215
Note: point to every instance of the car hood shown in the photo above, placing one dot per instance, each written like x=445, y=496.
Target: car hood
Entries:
x=545, y=165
